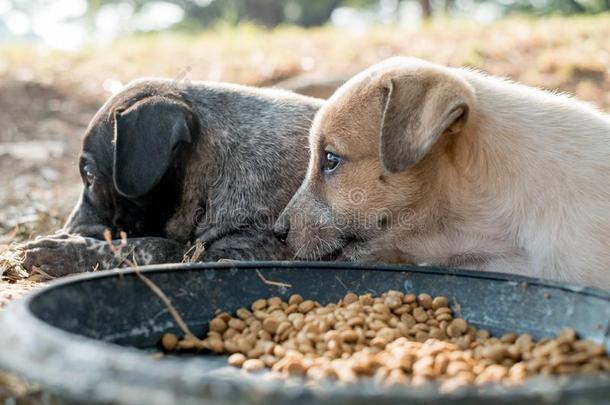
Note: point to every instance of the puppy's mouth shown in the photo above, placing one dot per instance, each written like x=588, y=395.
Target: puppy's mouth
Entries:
x=338, y=253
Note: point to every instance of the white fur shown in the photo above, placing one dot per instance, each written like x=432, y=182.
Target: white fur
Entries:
x=538, y=201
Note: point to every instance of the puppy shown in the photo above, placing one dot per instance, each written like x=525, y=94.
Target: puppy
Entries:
x=418, y=163
x=169, y=163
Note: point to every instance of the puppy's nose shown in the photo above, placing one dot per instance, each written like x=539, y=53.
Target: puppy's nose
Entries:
x=281, y=228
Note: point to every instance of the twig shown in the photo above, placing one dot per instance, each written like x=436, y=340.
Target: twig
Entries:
x=38, y=270
x=124, y=258
x=275, y=283
x=167, y=302
x=150, y=284
x=197, y=249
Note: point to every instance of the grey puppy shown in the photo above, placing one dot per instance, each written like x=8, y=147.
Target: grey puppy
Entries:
x=168, y=163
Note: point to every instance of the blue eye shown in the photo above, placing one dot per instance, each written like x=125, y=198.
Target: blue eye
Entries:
x=330, y=162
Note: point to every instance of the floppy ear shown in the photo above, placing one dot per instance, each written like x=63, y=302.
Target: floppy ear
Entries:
x=416, y=112
x=146, y=137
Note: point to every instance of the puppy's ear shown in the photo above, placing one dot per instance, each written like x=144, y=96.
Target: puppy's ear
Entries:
x=146, y=137
x=416, y=112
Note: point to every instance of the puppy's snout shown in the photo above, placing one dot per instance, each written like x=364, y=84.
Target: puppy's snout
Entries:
x=281, y=228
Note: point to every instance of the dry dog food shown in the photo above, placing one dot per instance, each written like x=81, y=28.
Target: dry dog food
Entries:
x=395, y=339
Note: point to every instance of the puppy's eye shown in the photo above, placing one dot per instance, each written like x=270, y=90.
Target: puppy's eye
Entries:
x=330, y=162
x=89, y=177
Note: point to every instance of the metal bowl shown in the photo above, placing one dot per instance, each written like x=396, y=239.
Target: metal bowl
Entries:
x=91, y=338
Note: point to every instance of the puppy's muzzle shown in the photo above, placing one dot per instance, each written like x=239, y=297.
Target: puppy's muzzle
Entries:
x=281, y=228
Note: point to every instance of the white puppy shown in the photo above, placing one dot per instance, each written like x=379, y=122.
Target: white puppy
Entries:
x=416, y=162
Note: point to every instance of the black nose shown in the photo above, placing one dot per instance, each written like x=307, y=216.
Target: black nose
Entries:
x=281, y=228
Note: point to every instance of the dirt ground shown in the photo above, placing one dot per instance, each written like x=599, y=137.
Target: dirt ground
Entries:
x=48, y=97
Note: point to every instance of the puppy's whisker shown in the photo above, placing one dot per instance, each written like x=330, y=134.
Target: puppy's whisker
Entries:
x=329, y=246
x=296, y=254
x=318, y=253
x=304, y=247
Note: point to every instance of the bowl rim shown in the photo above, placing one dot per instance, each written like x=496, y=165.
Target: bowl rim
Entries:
x=286, y=264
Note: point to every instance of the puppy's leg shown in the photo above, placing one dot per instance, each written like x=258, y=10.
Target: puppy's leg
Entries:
x=247, y=245
x=59, y=255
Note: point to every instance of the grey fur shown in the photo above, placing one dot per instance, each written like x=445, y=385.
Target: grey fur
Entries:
x=247, y=156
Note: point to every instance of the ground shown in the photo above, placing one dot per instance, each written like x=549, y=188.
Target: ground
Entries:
x=48, y=97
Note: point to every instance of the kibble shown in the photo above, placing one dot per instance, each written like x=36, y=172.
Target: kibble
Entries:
x=395, y=338
x=253, y=365
x=295, y=299
x=169, y=342
x=440, y=302
x=425, y=300
x=237, y=324
x=237, y=359
x=218, y=325
x=306, y=306
x=457, y=327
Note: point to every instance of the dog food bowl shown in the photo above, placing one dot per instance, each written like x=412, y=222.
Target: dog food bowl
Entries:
x=92, y=338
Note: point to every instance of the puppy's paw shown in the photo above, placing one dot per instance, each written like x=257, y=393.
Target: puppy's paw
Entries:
x=59, y=255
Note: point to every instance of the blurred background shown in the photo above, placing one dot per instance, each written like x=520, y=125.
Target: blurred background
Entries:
x=60, y=60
